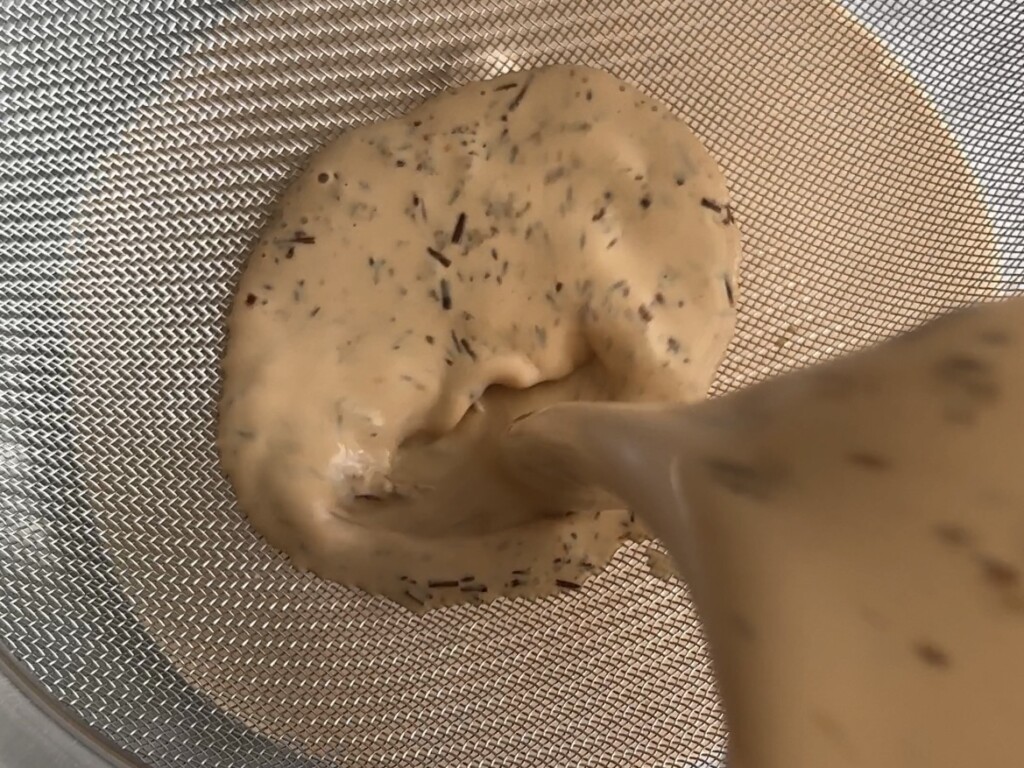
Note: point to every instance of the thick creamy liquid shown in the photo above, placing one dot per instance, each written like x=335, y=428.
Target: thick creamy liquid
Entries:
x=860, y=534
x=853, y=535
x=547, y=236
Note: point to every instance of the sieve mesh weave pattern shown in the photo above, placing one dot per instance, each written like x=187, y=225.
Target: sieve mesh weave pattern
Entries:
x=876, y=155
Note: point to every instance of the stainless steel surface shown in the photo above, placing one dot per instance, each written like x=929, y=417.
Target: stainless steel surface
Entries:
x=36, y=730
x=876, y=153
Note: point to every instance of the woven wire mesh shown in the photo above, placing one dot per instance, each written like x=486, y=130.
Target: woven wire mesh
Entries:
x=876, y=154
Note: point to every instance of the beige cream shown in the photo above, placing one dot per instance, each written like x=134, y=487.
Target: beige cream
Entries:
x=854, y=537
x=550, y=235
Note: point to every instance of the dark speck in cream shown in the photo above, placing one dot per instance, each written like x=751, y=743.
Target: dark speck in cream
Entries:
x=555, y=174
x=932, y=655
x=952, y=534
x=744, y=628
x=439, y=257
x=743, y=479
x=995, y=337
x=998, y=572
x=970, y=375
x=969, y=384
x=459, y=229
x=868, y=460
x=514, y=104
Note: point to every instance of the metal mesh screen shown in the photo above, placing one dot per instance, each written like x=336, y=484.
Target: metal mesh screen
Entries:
x=876, y=154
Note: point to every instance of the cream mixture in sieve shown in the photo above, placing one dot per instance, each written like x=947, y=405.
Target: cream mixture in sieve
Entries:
x=550, y=235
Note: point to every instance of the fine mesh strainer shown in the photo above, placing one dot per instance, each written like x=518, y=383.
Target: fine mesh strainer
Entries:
x=875, y=150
